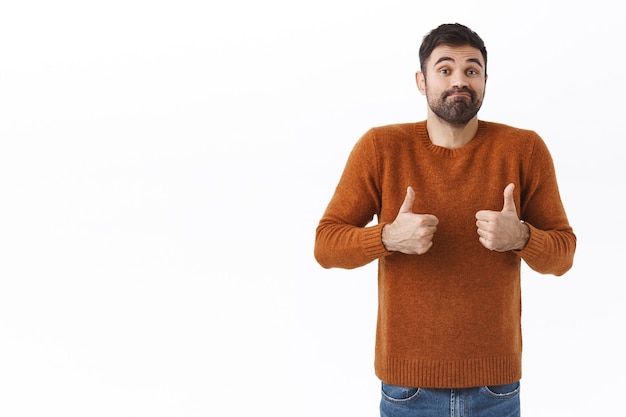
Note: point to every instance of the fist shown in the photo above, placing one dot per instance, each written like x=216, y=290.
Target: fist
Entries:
x=502, y=231
x=410, y=233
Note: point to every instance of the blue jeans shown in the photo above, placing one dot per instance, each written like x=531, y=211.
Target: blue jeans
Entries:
x=496, y=401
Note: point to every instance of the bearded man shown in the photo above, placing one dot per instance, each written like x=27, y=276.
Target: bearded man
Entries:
x=460, y=203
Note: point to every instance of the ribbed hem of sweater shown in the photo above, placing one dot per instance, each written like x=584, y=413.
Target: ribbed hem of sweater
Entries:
x=450, y=373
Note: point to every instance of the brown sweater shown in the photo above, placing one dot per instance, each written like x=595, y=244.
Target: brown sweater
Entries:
x=451, y=317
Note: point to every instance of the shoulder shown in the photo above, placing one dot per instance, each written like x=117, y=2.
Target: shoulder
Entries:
x=394, y=135
x=399, y=129
x=510, y=136
x=499, y=129
x=524, y=144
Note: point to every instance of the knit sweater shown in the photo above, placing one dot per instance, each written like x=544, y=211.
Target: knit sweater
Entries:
x=451, y=317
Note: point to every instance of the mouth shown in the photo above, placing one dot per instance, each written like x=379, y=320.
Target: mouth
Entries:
x=460, y=96
x=459, y=93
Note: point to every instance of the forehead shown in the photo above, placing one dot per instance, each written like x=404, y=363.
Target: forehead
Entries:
x=455, y=54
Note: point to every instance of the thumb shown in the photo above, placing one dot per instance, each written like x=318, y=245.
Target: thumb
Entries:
x=509, y=202
x=407, y=204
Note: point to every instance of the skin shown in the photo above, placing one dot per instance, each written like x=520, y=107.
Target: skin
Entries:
x=454, y=85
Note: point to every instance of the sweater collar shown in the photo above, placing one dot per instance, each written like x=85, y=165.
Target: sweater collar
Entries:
x=422, y=134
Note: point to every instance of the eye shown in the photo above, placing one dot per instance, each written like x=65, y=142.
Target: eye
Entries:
x=472, y=72
x=444, y=71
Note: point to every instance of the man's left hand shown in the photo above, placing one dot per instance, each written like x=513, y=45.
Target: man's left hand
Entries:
x=502, y=231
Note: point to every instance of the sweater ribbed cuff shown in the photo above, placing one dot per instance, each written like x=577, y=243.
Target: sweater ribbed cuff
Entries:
x=535, y=246
x=372, y=241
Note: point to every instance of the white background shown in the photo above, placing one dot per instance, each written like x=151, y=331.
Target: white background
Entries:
x=164, y=164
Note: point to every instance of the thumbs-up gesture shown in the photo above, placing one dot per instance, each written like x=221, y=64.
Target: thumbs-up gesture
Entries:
x=502, y=230
x=410, y=233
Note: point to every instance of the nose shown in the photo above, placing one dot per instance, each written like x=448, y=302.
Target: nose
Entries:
x=459, y=81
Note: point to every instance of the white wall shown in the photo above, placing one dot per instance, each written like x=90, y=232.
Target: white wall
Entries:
x=163, y=166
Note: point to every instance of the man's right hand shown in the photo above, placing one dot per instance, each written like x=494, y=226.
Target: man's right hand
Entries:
x=410, y=233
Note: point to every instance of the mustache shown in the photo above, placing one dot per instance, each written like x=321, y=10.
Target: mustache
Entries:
x=467, y=90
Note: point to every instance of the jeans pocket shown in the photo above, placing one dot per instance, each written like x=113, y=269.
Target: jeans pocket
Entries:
x=503, y=391
x=398, y=394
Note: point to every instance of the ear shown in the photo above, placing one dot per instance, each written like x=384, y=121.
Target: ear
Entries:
x=420, y=80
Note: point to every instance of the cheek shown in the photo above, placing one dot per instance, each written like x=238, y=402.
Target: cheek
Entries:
x=479, y=90
x=479, y=87
x=434, y=89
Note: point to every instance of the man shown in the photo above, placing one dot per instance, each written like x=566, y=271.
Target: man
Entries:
x=460, y=202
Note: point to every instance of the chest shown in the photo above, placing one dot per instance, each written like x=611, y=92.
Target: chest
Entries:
x=451, y=188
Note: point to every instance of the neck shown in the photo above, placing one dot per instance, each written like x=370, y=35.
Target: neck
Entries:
x=450, y=136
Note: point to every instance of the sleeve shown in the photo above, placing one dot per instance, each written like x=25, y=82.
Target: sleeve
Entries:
x=343, y=238
x=552, y=242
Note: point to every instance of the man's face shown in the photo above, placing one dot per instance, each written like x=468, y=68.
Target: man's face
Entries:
x=454, y=83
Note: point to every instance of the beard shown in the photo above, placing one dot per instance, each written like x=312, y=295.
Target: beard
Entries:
x=456, y=110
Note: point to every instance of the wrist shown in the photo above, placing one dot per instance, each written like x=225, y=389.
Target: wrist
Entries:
x=525, y=235
x=384, y=237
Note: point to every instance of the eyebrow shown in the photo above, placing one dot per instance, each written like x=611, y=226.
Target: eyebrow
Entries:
x=447, y=58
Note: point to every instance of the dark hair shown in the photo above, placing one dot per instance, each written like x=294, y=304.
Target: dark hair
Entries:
x=451, y=34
